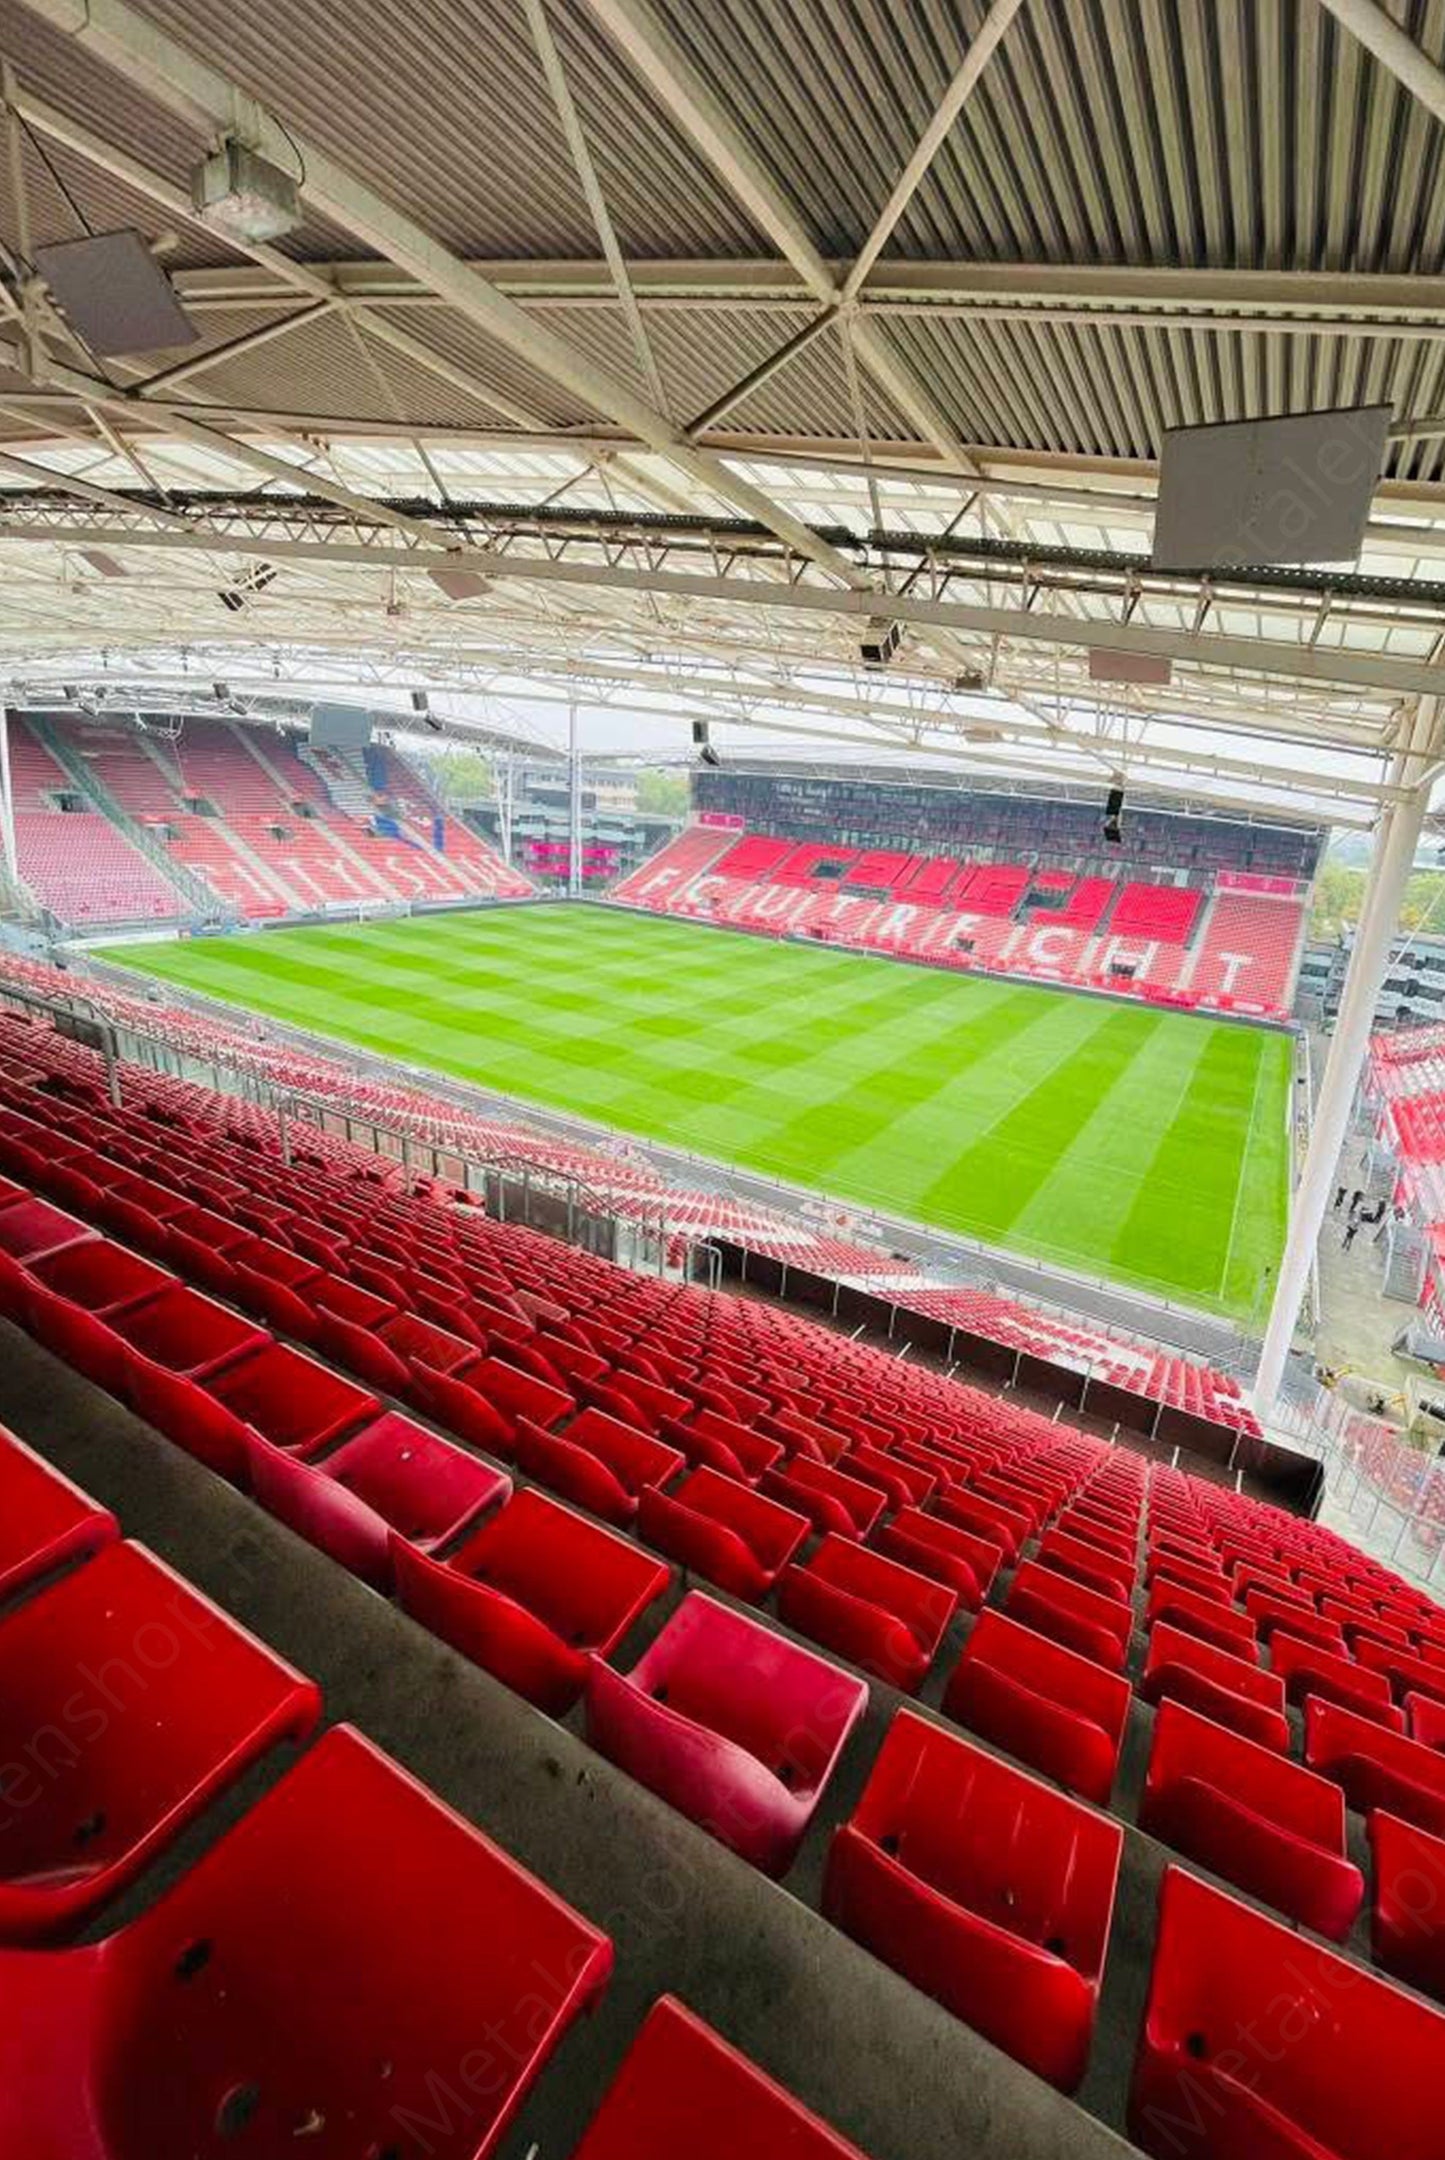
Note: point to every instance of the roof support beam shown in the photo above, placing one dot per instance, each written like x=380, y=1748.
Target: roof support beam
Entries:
x=1395, y=50
x=636, y=31
x=1262, y=657
x=959, y=91
x=141, y=52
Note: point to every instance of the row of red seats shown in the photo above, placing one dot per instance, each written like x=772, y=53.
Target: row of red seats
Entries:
x=1025, y=1657
x=183, y=2030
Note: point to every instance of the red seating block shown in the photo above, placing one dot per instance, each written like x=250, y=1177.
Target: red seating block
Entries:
x=683, y=2091
x=1053, y=1604
x=1252, y=1816
x=530, y=1595
x=127, y=1701
x=1377, y=1769
x=734, y=1726
x=1407, y=1937
x=1056, y=1711
x=600, y=1463
x=393, y=1475
x=291, y=1400
x=1257, y=2046
x=45, y=1521
x=727, y=1532
x=989, y=1891
x=1307, y=1671
x=884, y=1616
x=187, y=2033
x=1230, y=1690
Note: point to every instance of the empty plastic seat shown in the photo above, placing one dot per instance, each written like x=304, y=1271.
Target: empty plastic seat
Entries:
x=1230, y=1690
x=1376, y=1768
x=734, y=1726
x=291, y=1400
x=884, y=1616
x=1256, y=2045
x=45, y=1521
x=1252, y=1816
x=198, y=2029
x=1097, y=1627
x=1306, y=1670
x=943, y=1550
x=1202, y=1615
x=127, y=1701
x=393, y=1475
x=600, y=1463
x=1089, y=1564
x=517, y=1394
x=1056, y=1711
x=185, y=1333
x=1407, y=1938
x=987, y=1518
x=826, y=1494
x=723, y=1444
x=1275, y=1616
x=1407, y=1675
x=530, y=1595
x=682, y=2091
x=1426, y=1719
x=30, y=1228
x=988, y=1890
x=98, y=1276
x=729, y=1533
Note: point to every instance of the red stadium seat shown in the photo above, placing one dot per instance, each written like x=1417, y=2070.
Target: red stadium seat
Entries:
x=1427, y=1720
x=1308, y=1671
x=1054, y=1710
x=986, y=1518
x=1407, y=1675
x=30, y=1228
x=1258, y=2046
x=1087, y=1563
x=1231, y=1690
x=734, y=1726
x=1252, y=1816
x=127, y=1701
x=986, y=1889
x=683, y=2094
x=600, y=1463
x=1097, y=1627
x=722, y=1444
x=1407, y=1935
x=949, y=1554
x=191, y=2031
x=1197, y=1614
x=530, y=1595
x=186, y=1333
x=1377, y=1769
x=45, y=1521
x=826, y=1494
x=291, y=1400
x=392, y=1476
x=884, y=1616
x=728, y=1533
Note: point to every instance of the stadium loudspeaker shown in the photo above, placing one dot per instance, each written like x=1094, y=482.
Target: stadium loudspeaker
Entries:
x=1246, y=494
x=1114, y=817
x=699, y=734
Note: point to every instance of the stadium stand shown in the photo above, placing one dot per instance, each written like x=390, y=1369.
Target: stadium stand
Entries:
x=988, y=1889
x=632, y=1187
x=268, y=827
x=72, y=858
x=1221, y=949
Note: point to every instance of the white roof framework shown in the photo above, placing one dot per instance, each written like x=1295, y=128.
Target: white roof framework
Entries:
x=642, y=354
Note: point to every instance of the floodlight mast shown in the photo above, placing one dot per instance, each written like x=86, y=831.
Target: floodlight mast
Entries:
x=1397, y=835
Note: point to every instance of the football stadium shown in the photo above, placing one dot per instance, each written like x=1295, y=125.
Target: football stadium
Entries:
x=722, y=1080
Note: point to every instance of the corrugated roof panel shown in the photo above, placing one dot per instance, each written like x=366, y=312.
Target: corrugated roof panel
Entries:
x=442, y=105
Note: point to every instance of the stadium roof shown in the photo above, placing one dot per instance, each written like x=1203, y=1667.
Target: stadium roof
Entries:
x=645, y=353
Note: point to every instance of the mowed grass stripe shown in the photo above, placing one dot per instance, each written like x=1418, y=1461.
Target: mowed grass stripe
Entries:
x=1112, y=1138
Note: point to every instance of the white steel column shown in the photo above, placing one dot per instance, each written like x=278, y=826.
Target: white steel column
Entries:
x=1397, y=837
x=7, y=802
x=574, y=806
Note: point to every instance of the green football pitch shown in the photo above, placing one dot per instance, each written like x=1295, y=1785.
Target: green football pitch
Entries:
x=1143, y=1145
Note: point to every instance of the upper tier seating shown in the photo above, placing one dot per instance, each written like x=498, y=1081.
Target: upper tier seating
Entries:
x=1235, y=949
x=76, y=862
